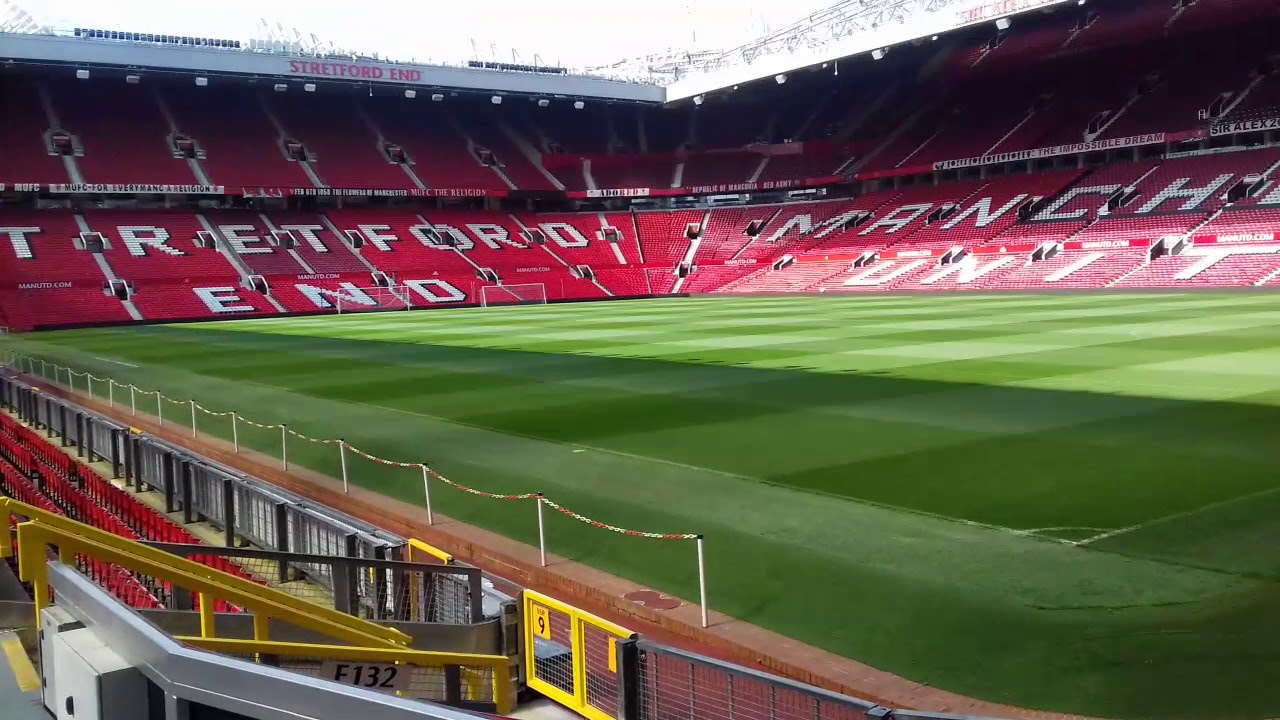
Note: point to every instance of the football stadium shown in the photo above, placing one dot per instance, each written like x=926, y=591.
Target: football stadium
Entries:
x=912, y=359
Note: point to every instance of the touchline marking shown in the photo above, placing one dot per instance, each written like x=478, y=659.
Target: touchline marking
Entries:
x=117, y=362
x=1177, y=516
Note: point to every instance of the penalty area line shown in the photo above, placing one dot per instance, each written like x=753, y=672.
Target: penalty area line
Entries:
x=1177, y=516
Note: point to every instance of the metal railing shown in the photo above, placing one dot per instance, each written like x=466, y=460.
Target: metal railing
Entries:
x=403, y=591
x=249, y=510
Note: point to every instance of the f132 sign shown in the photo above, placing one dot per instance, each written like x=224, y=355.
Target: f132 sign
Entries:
x=384, y=677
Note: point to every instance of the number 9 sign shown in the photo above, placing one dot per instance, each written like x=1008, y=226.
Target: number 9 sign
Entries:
x=541, y=622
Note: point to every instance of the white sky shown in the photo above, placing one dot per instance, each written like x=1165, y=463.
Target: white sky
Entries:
x=573, y=32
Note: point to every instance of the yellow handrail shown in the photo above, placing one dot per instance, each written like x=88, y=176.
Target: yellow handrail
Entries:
x=34, y=539
x=503, y=688
x=435, y=552
x=98, y=543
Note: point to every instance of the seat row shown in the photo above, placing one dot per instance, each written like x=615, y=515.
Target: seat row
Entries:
x=63, y=485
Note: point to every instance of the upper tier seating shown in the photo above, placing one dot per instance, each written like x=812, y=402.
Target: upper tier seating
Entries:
x=348, y=152
x=123, y=133
x=719, y=168
x=491, y=132
x=1262, y=103
x=441, y=157
x=242, y=147
x=24, y=153
x=644, y=172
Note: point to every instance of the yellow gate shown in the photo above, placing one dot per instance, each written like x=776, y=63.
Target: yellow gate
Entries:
x=571, y=656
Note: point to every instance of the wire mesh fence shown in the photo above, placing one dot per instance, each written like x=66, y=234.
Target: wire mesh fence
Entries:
x=674, y=685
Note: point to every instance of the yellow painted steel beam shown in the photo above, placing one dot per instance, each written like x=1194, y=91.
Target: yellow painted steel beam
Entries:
x=433, y=551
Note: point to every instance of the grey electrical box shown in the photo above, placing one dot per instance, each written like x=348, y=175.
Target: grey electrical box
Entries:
x=93, y=682
x=53, y=620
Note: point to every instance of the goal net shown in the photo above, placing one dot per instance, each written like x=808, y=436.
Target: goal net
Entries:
x=373, y=299
x=527, y=294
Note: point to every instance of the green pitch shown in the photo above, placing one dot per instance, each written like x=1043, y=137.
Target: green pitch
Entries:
x=1066, y=502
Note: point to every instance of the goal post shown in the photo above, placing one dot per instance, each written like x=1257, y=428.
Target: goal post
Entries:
x=373, y=299
x=525, y=294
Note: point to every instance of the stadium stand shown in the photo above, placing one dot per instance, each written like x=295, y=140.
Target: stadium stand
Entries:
x=1176, y=158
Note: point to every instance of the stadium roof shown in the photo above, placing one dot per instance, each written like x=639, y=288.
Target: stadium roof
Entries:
x=566, y=33
x=677, y=43
x=843, y=29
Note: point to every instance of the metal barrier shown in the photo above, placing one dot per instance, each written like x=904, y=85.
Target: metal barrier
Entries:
x=418, y=592
x=660, y=682
x=571, y=656
x=244, y=507
x=247, y=509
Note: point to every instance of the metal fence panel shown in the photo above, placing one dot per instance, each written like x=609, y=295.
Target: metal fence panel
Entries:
x=570, y=656
x=673, y=684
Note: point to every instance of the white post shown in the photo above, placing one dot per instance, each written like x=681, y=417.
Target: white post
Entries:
x=542, y=534
x=702, y=581
x=89, y=377
x=193, y=420
x=111, y=392
x=284, y=446
x=160, y=408
x=342, y=455
x=133, y=400
x=235, y=433
x=71, y=380
x=426, y=490
x=44, y=368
